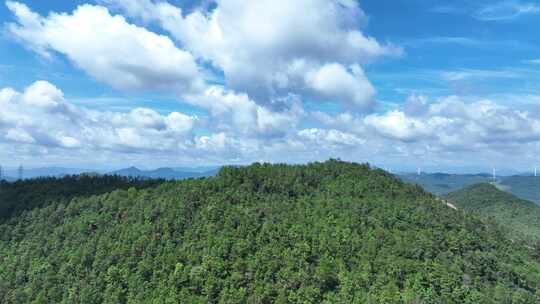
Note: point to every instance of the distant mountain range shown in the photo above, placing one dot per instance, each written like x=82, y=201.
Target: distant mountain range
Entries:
x=168, y=173
x=12, y=174
x=523, y=186
x=443, y=183
x=165, y=173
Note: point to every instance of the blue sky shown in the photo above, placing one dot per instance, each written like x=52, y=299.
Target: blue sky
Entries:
x=401, y=84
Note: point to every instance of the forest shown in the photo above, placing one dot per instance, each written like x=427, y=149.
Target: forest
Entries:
x=21, y=195
x=520, y=216
x=332, y=232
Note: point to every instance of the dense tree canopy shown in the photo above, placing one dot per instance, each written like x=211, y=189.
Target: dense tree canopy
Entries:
x=331, y=232
x=21, y=195
x=520, y=216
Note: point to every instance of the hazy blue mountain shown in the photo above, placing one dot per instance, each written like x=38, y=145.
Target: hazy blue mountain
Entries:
x=131, y=171
x=526, y=187
x=166, y=173
x=443, y=183
x=43, y=172
x=523, y=186
x=199, y=169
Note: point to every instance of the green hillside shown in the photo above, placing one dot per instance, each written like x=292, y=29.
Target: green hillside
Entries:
x=329, y=232
x=486, y=200
x=18, y=196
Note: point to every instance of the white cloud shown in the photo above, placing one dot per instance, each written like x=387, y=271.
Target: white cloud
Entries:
x=19, y=135
x=271, y=57
x=533, y=61
x=466, y=74
x=258, y=44
x=334, y=81
x=450, y=122
x=330, y=137
x=236, y=112
x=108, y=48
x=397, y=125
x=40, y=115
x=507, y=10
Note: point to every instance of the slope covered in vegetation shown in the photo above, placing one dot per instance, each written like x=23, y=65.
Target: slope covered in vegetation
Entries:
x=18, y=196
x=487, y=201
x=329, y=232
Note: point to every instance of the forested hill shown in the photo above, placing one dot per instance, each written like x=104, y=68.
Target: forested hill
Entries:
x=487, y=201
x=18, y=196
x=330, y=232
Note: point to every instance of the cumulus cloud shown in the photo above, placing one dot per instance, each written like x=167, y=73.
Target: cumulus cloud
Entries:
x=108, y=48
x=334, y=81
x=237, y=112
x=269, y=50
x=267, y=61
x=330, y=137
x=40, y=115
x=451, y=122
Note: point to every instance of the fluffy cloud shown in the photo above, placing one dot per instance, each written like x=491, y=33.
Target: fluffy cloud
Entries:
x=453, y=123
x=39, y=120
x=269, y=50
x=40, y=115
x=272, y=59
x=330, y=137
x=236, y=112
x=334, y=81
x=108, y=48
x=440, y=126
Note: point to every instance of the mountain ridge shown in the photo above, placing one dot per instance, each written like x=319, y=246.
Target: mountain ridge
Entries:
x=331, y=232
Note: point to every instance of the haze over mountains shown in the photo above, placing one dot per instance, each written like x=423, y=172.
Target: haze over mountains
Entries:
x=523, y=186
x=164, y=173
x=168, y=173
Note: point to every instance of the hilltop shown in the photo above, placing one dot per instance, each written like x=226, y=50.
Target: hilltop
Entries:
x=332, y=232
x=488, y=201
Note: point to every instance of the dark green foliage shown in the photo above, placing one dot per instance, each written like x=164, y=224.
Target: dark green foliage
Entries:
x=521, y=216
x=329, y=232
x=18, y=196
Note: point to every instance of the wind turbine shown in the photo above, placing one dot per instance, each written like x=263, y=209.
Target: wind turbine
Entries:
x=21, y=172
